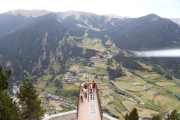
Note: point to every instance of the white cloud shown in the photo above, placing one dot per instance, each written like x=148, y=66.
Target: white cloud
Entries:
x=166, y=0
x=132, y=8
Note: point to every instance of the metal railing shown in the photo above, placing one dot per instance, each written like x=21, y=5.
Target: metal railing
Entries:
x=99, y=103
x=78, y=100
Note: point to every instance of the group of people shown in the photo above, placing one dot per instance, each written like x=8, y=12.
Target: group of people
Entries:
x=84, y=89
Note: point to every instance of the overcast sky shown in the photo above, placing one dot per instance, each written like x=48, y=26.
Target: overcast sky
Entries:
x=131, y=8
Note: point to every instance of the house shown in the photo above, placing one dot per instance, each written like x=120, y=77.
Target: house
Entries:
x=49, y=95
x=78, y=71
x=55, y=98
x=105, y=77
x=60, y=99
x=106, y=56
x=95, y=59
x=43, y=93
x=69, y=78
x=146, y=117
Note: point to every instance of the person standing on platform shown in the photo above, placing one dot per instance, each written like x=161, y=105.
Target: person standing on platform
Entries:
x=81, y=95
x=85, y=86
x=91, y=87
x=85, y=92
x=94, y=85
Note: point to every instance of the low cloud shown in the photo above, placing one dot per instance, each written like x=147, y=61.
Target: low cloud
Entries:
x=159, y=53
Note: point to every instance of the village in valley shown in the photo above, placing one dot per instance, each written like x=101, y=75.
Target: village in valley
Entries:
x=146, y=90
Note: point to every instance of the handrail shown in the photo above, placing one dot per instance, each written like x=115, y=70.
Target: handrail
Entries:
x=88, y=93
x=78, y=100
x=100, y=109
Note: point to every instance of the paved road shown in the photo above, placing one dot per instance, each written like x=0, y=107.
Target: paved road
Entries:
x=126, y=105
x=127, y=91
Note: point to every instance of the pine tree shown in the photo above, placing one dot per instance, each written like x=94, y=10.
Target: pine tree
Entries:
x=29, y=101
x=156, y=117
x=173, y=116
x=8, y=109
x=127, y=117
x=133, y=115
x=4, y=79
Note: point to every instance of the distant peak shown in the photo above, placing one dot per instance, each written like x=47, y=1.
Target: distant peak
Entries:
x=28, y=13
x=153, y=15
x=116, y=16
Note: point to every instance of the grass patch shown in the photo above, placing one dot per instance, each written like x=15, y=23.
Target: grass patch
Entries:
x=173, y=89
x=119, y=96
x=119, y=109
x=128, y=73
x=57, y=105
x=151, y=104
x=49, y=107
x=137, y=88
x=143, y=99
x=64, y=106
x=147, y=95
x=120, y=78
x=98, y=72
x=106, y=92
x=70, y=86
x=129, y=86
x=140, y=72
x=106, y=96
x=100, y=65
x=44, y=99
x=42, y=84
x=131, y=80
x=74, y=67
x=176, y=93
x=166, y=101
x=141, y=81
x=145, y=66
x=148, y=86
x=137, y=94
x=46, y=77
x=141, y=111
x=165, y=83
x=104, y=101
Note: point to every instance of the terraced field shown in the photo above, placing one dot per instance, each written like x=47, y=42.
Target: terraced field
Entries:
x=165, y=84
x=141, y=111
x=42, y=84
x=172, y=88
x=150, y=104
x=70, y=86
x=166, y=102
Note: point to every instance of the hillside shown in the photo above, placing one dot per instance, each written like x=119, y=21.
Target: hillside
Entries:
x=145, y=33
x=46, y=47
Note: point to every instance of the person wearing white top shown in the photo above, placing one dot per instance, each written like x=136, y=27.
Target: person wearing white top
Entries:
x=91, y=88
x=82, y=86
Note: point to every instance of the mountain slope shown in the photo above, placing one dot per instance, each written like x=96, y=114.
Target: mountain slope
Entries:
x=148, y=32
x=10, y=23
x=16, y=19
x=36, y=42
x=29, y=48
